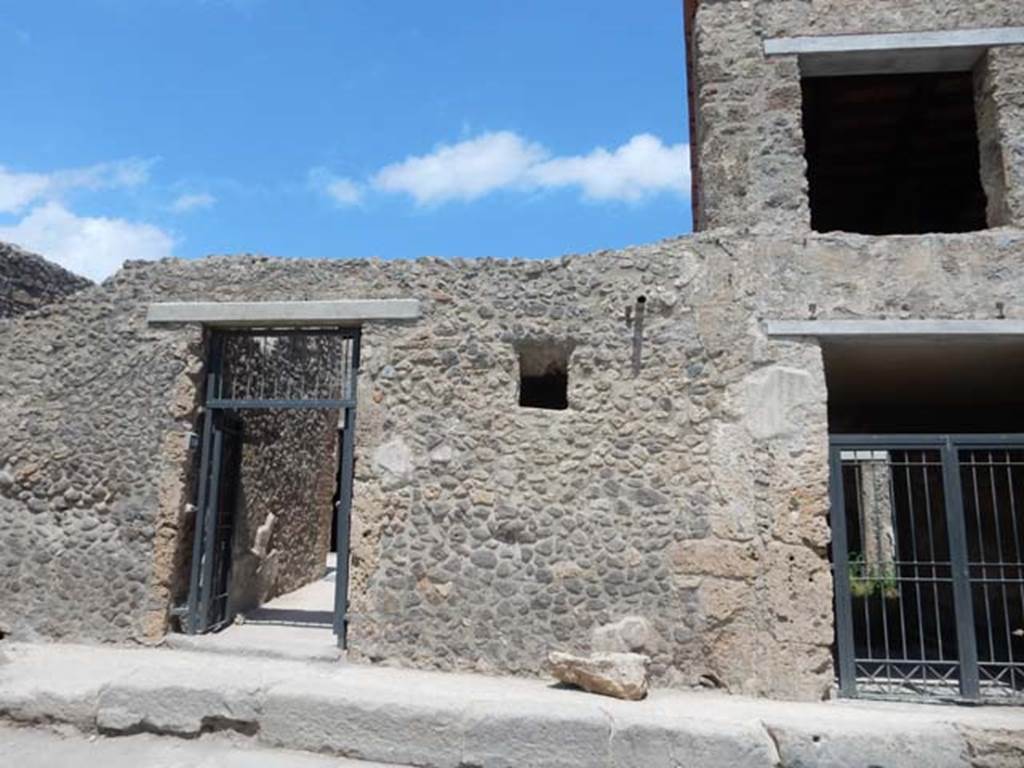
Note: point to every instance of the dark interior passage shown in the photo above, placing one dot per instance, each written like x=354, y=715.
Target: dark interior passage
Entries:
x=893, y=154
x=932, y=385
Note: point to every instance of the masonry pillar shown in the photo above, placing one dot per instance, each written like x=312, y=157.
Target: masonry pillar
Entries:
x=999, y=98
x=749, y=138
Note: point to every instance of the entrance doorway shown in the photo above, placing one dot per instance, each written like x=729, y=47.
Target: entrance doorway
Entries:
x=928, y=555
x=927, y=515
x=274, y=481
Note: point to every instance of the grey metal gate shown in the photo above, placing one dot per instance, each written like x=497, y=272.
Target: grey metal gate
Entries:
x=927, y=544
x=270, y=369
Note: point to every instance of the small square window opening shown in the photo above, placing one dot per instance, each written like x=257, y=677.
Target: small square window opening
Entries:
x=544, y=374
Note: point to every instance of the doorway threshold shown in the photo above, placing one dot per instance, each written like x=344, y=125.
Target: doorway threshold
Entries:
x=297, y=625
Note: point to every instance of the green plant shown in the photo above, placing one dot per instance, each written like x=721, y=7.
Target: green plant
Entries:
x=868, y=578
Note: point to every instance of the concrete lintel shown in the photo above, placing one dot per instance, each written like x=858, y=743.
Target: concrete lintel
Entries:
x=893, y=328
x=344, y=312
x=892, y=53
x=897, y=41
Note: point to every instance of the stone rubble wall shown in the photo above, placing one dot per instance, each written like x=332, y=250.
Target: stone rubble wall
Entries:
x=691, y=497
x=749, y=135
x=28, y=281
x=94, y=411
x=288, y=469
x=999, y=87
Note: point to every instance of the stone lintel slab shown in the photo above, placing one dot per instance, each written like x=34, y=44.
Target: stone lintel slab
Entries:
x=866, y=329
x=891, y=53
x=895, y=41
x=344, y=312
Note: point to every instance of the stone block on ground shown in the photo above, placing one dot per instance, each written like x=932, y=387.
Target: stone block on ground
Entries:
x=622, y=675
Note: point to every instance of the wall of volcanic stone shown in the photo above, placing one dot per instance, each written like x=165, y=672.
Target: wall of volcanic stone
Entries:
x=690, y=491
x=94, y=412
x=749, y=141
x=288, y=469
x=28, y=281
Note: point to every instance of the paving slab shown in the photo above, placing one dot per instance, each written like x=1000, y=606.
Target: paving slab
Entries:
x=457, y=720
x=267, y=640
x=296, y=625
x=50, y=748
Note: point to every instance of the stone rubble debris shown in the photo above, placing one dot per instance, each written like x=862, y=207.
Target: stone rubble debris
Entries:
x=621, y=675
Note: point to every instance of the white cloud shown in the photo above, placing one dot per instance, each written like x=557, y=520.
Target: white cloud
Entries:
x=342, y=190
x=464, y=171
x=641, y=167
x=91, y=246
x=117, y=174
x=19, y=190
x=193, y=201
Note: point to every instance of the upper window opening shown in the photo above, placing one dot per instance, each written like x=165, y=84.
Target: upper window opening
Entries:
x=893, y=154
x=544, y=375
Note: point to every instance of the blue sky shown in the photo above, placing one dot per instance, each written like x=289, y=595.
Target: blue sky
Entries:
x=340, y=128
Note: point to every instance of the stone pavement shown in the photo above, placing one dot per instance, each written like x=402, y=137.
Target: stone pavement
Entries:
x=296, y=625
x=67, y=748
x=457, y=721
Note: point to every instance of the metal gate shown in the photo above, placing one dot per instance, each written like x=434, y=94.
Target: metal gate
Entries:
x=927, y=544
x=267, y=369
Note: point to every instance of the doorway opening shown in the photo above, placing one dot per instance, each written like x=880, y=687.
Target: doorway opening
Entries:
x=274, y=485
x=927, y=517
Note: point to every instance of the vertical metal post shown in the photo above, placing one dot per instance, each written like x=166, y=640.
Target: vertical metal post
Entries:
x=194, y=622
x=841, y=577
x=638, y=335
x=962, y=599
x=192, y=618
x=210, y=460
x=210, y=519
x=344, y=507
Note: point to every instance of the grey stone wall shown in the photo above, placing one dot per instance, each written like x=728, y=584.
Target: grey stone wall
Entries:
x=288, y=470
x=691, y=495
x=999, y=92
x=94, y=408
x=28, y=281
x=749, y=140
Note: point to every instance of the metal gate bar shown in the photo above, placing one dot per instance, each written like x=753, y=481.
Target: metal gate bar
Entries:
x=192, y=620
x=215, y=595
x=956, y=525
x=926, y=551
x=995, y=565
x=254, y=368
x=344, y=528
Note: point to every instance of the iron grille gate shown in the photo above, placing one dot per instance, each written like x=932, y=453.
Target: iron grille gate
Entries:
x=265, y=369
x=927, y=544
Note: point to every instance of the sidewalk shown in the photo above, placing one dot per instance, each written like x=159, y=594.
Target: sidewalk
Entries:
x=297, y=625
x=67, y=748
x=457, y=720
